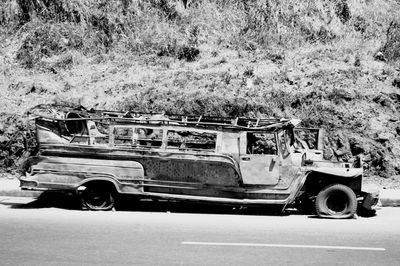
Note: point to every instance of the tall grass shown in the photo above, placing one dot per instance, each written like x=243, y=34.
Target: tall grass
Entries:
x=165, y=28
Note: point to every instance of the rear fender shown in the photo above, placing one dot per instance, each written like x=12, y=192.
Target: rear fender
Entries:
x=70, y=173
x=102, y=179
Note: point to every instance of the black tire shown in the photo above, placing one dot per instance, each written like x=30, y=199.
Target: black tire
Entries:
x=336, y=201
x=98, y=197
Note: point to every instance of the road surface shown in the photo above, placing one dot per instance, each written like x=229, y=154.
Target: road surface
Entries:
x=43, y=235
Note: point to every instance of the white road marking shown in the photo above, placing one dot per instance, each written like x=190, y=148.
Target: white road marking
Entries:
x=279, y=246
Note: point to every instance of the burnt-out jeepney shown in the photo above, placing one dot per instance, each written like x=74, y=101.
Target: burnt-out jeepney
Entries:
x=102, y=155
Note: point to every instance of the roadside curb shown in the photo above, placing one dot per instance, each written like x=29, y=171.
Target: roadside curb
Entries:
x=389, y=197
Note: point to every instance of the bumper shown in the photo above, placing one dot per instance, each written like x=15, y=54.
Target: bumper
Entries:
x=26, y=182
x=370, y=193
x=370, y=201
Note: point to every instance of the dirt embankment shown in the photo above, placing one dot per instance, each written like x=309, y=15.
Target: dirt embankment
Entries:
x=333, y=64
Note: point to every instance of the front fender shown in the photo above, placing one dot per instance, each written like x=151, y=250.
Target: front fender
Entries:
x=316, y=179
x=339, y=172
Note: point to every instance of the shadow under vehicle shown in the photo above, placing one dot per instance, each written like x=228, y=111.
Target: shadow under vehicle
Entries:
x=102, y=155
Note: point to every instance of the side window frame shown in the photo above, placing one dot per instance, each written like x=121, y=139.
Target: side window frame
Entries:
x=113, y=135
x=160, y=137
x=250, y=150
x=186, y=131
x=134, y=129
x=284, y=143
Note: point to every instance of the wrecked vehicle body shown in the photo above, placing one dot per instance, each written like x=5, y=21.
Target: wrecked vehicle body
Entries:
x=246, y=162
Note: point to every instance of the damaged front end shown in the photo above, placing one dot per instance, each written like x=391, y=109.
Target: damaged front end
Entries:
x=369, y=202
x=352, y=175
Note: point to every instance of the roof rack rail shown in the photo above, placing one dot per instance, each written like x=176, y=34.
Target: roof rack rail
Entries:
x=118, y=117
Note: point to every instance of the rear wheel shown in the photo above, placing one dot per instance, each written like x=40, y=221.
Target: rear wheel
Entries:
x=336, y=201
x=98, y=197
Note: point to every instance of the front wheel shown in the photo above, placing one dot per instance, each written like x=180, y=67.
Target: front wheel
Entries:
x=336, y=201
x=98, y=197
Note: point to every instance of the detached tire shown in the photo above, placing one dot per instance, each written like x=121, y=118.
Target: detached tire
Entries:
x=336, y=201
x=98, y=197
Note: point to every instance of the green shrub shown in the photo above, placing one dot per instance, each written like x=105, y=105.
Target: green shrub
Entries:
x=17, y=140
x=166, y=8
x=46, y=40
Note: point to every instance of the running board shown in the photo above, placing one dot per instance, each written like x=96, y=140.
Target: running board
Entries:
x=215, y=199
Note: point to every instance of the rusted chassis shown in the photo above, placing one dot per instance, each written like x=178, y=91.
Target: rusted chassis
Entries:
x=182, y=176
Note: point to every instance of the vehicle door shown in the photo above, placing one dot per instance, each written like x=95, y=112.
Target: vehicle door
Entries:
x=259, y=159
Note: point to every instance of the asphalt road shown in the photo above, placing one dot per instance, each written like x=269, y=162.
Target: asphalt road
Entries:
x=41, y=235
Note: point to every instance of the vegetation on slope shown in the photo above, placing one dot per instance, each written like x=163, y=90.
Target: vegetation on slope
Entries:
x=333, y=64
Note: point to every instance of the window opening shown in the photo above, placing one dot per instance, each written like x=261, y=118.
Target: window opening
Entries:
x=306, y=138
x=148, y=137
x=98, y=132
x=75, y=126
x=123, y=136
x=77, y=129
x=191, y=140
x=261, y=143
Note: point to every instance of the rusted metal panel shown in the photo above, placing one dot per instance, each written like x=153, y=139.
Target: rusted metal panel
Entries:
x=259, y=164
x=119, y=169
x=195, y=171
x=288, y=175
x=259, y=169
x=230, y=143
x=208, y=169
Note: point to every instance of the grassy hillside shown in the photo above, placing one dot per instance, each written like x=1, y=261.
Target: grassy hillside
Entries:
x=334, y=64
